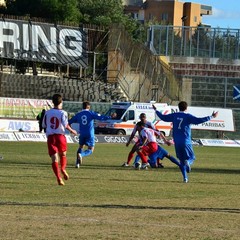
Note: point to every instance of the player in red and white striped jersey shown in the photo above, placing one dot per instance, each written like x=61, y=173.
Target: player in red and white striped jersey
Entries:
x=56, y=122
x=149, y=143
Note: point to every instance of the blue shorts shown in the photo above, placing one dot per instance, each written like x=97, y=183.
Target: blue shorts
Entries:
x=160, y=153
x=87, y=140
x=184, y=152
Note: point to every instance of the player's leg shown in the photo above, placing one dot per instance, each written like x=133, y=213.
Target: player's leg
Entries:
x=183, y=169
x=130, y=156
x=173, y=159
x=161, y=153
x=88, y=151
x=189, y=156
x=62, y=153
x=148, y=150
x=53, y=153
x=137, y=159
x=79, y=156
x=181, y=154
x=90, y=143
x=153, y=161
x=63, y=162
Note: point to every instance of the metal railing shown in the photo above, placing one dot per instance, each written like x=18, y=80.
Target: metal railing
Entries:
x=194, y=41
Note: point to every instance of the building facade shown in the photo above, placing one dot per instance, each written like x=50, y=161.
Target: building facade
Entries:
x=167, y=12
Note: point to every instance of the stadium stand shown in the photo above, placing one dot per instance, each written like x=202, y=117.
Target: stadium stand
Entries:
x=41, y=87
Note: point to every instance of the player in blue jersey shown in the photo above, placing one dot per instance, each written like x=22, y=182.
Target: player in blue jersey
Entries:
x=182, y=134
x=85, y=119
x=160, y=154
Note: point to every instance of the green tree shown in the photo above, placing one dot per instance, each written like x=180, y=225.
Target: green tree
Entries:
x=102, y=12
x=54, y=10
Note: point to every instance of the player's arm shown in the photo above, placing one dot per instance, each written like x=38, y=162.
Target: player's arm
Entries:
x=71, y=130
x=164, y=139
x=165, y=118
x=196, y=120
x=44, y=124
x=159, y=134
x=144, y=138
x=144, y=141
x=132, y=136
x=99, y=117
x=73, y=119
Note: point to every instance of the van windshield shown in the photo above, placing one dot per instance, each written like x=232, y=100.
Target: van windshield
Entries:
x=118, y=111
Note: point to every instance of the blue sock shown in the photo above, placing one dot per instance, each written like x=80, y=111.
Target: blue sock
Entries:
x=191, y=161
x=174, y=160
x=183, y=169
x=137, y=158
x=86, y=153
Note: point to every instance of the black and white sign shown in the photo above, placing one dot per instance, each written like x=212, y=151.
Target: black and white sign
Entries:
x=43, y=42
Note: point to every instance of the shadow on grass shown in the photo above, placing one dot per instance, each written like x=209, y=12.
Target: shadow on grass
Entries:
x=118, y=206
x=216, y=170
x=130, y=168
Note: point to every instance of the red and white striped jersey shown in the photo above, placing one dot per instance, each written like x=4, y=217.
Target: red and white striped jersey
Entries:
x=55, y=121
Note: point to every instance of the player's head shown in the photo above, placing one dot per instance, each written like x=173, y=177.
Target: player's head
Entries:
x=143, y=117
x=57, y=100
x=86, y=105
x=182, y=106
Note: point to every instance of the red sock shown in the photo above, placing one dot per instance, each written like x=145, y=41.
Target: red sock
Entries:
x=143, y=157
x=63, y=162
x=56, y=170
x=130, y=156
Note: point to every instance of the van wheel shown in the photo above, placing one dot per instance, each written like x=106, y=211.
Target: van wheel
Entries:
x=121, y=132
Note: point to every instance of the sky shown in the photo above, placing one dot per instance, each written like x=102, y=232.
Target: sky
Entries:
x=225, y=13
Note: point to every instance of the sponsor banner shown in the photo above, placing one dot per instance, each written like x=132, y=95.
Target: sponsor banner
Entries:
x=220, y=143
x=41, y=137
x=36, y=137
x=31, y=137
x=13, y=125
x=22, y=108
x=43, y=42
x=223, y=122
x=105, y=139
x=5, y=136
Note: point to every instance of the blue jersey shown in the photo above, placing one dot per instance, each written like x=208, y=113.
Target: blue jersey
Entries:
x=85, y=119
x=182, y=125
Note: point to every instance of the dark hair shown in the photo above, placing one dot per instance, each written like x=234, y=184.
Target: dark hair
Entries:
x=85, y=104
x=56, y=99
x=182, y=106
x=142, y=115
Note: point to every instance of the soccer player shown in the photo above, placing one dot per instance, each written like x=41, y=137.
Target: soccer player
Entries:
x=149, y=143
x=182, y=134
x=136, y=129
x=85, y=119
x=56, y=121
x=160, y=154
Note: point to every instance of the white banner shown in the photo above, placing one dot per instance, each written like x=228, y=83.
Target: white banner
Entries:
x=223, y=122
x=41, y=137
x=12, y=125
x=220, y=143
x=37, y=137
x=5, y=136
x=32, y=137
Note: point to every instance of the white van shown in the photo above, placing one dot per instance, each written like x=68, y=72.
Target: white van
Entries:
x=128, y=115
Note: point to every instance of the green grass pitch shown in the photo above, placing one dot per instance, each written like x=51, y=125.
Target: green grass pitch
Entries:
x=102, y=200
